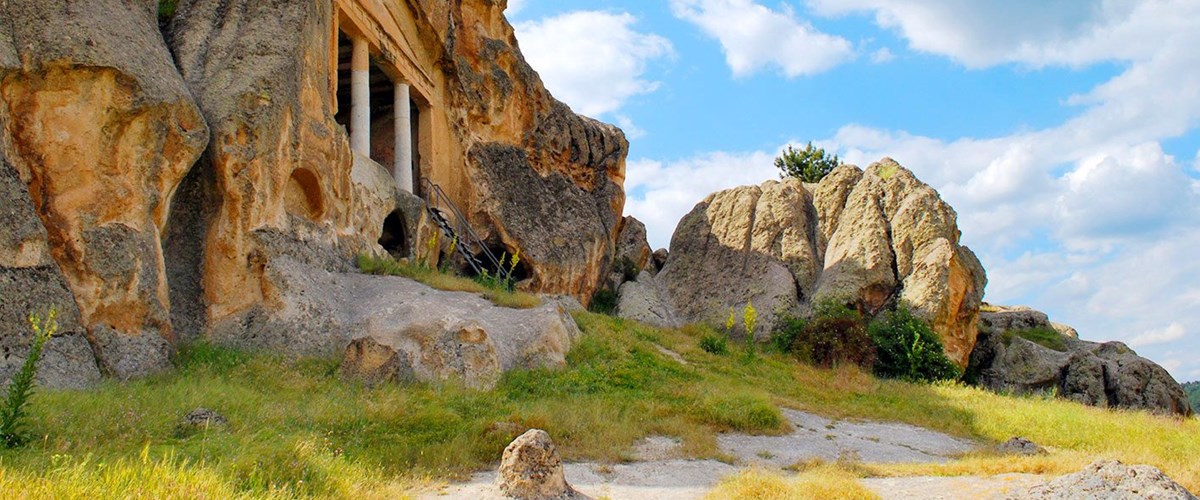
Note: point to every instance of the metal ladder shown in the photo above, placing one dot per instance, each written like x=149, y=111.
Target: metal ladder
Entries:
x=468, y=244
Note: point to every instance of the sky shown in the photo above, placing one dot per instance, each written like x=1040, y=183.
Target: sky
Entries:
x=1065, y=134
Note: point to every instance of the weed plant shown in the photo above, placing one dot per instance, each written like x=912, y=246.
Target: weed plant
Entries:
x=906, y=347
x=20, y=388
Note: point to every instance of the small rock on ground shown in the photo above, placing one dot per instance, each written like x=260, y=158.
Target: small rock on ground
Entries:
x=1020, y=446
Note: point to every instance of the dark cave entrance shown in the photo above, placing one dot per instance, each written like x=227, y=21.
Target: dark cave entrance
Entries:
x=394, y=238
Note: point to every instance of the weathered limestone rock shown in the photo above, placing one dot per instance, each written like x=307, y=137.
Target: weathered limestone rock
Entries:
x=1002, y=318
x=643, y=300
x=102, y=130
x=752, y=244
x=658, y=260
x=874, y=240
x=565, y=232
x=31, y=282
x=433, y=335
x=277, y=157
x=531, y=469
x=896, y=243
x=632, y=245
x=1109, y=480
x=1106, y=374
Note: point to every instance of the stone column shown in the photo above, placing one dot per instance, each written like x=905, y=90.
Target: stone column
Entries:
x=360, y=98
x=403, y=169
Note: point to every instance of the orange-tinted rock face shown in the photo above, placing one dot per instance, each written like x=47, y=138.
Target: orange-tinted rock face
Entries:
x=99, y=125
x=169, y=172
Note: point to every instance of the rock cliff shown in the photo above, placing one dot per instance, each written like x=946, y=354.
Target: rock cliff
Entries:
x=871, y=239
x=152, y=179
x=1108, y=374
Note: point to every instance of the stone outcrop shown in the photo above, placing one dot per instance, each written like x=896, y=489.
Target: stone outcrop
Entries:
x=531, y=469
x=632, y=245
x=1109, y=479
x=643, y=300
x=102, y=130
x=1106, y=374
x=153, y=180
x=395, y=329
x=873, y=240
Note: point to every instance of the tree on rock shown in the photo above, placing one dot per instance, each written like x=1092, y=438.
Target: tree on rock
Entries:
x=810, y=164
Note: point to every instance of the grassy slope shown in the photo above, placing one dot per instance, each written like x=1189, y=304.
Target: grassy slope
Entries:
x=298, y=430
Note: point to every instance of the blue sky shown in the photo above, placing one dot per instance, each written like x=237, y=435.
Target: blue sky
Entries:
x=1066, y=134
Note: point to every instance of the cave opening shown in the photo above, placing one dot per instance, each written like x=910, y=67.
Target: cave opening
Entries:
x=394, y=238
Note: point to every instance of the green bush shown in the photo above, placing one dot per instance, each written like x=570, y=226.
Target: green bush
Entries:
x=12, y=415
x=907, y=348
x=810, y=164
x=787, y=329
x=834, y=335
x=604, y=302
x=714, y=343
x=1041, y=335
x=627, y=267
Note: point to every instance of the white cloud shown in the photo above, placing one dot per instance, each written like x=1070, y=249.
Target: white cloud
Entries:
x=1071, y=32
x=660, y=194
x=514, y=7
x=593, y=61
x=755, y=37
x=632, y=131
x=1171, y=333
x=882, y=55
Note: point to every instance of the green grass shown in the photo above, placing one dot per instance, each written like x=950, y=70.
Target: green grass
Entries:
x=387, y=266
x=297, y=430
x=1043, y=336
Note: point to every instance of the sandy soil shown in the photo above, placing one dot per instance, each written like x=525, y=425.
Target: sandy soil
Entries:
x=657, y=473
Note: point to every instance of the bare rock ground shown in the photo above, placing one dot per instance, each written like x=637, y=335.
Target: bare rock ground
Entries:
x=658, y=474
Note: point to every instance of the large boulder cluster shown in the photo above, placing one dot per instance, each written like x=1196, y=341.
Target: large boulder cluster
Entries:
x=1107, y=374
x=875, y=240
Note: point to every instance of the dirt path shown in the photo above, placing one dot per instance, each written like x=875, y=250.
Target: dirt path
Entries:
x=659, y=474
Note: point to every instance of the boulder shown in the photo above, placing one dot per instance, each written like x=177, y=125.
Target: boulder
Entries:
x=531, y=469
x=748, y=245
x=395, y=329
x=632, y=245
x=658, y=260
x=643, y=300
x=873, y=240
x=1020, y=446
x=1106, y=374
x=1109, y=480
x=1001, y=318
x=897, y=243
x=101, y=129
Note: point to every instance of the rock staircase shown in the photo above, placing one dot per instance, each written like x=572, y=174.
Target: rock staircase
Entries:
x=455, y=227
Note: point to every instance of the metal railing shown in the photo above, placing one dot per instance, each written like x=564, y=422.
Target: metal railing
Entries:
x=468, y=243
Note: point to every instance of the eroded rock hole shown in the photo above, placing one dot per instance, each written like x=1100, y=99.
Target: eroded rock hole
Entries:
x=394, y=238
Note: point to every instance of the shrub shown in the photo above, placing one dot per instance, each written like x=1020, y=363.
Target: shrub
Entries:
x=810, y=164
x=787, y=329
x=12, y=415
x=714, y=343
x=834, y=335
x=604, y=302
x=627, y=267
x=907, y=348
x=1041, y=335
